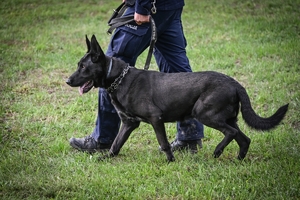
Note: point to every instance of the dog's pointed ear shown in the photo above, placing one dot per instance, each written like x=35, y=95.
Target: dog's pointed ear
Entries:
x=96, y=50
x=88, y=43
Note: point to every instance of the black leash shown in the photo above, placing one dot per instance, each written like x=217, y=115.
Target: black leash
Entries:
x=152, y=42
x=117, y=20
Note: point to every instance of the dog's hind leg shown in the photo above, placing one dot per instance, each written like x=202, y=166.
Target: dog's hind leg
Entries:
x=220, y=112
x=230, y=134
x=214, y=116
x=244, y=143
x=160, y=131
x=242, y=140
x=220, y=125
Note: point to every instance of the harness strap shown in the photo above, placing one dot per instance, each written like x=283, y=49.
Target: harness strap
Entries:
x=117, y=12
x=116, y=20
x=120, y=21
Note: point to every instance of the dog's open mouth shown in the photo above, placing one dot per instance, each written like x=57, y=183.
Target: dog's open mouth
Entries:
x=86, y=87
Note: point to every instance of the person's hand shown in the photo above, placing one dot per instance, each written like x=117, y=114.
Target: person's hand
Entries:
x=139, y=19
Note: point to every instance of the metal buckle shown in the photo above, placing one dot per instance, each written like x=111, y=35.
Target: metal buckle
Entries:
x=153, y=9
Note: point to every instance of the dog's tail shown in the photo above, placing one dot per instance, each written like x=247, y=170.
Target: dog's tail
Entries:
x=255, y=121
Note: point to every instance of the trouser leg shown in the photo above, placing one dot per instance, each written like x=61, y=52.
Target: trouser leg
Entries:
x=128, y=43
x=172, y=42
x=108, y=121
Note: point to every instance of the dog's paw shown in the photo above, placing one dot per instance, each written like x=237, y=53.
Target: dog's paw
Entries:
x=217, y=153
x=241, y=156
x=171, y=158
x=104, y=157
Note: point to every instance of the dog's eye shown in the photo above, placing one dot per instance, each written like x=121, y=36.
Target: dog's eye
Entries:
x=82, y=66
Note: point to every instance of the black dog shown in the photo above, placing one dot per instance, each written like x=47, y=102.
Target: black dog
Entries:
x=155, y=98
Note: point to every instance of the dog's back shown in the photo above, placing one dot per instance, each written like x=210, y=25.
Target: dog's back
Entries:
x=174, y=95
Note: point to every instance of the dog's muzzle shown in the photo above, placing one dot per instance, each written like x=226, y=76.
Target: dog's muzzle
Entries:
x=68, y=81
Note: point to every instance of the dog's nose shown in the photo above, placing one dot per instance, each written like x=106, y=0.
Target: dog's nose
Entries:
x=68, y=81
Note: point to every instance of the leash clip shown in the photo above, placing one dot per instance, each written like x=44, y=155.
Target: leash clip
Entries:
x=153, y=9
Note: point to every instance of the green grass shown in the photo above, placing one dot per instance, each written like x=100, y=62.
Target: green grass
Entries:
x=256, y=42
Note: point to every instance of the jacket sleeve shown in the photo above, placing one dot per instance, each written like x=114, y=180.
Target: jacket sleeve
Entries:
x=143, y=7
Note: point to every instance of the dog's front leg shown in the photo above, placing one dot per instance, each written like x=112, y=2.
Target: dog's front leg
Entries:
x=159, y=128
x=127, y=127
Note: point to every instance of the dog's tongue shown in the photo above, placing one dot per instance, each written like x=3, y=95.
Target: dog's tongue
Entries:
x=80, y=89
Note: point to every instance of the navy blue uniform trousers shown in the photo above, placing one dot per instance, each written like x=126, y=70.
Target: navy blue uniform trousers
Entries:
x=127, y=43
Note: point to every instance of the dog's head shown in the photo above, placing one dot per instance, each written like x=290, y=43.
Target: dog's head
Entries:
x=90, y=68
